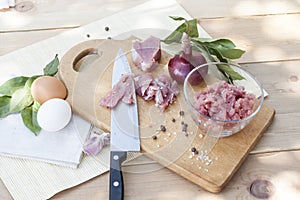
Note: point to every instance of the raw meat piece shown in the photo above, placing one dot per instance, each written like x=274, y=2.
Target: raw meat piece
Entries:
x=163, y=90
x=146, y=54
x=122, y=90
x=142, y=83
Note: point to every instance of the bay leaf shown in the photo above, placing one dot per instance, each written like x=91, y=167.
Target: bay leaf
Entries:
x=4, y=106
x=20, y=99
x=52, y=67
x=189, y=27
x=29, y=117
x=10, y=86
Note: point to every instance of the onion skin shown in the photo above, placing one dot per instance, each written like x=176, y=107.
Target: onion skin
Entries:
x=181, y=64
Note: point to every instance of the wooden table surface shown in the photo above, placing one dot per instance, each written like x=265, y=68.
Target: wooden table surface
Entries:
x=269, y=31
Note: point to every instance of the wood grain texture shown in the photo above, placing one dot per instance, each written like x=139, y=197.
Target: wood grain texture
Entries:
x=11, y=41
x=49, y=14
x=264, y=38
x=252, y=34
x=259, y=36
x=281, y=169
x=45, y=14
x=171, y=149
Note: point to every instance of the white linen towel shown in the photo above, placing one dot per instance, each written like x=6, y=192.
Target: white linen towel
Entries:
x=62, y=147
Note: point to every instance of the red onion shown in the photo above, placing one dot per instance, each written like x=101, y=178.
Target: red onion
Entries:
x=181, y=64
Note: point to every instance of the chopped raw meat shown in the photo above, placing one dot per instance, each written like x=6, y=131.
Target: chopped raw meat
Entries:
x=142, y=83
x=146, y=54
x=122, y=90
x=223, y=101
x=163, y=90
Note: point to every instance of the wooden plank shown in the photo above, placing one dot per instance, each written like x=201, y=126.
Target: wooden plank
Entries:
x=274, y=175
x=285, y=127
x=11, y=41
x=258, y=35
x=60, y=14
x=265, y=38
x=281, y=81
x=54, y=14
x=229, y=8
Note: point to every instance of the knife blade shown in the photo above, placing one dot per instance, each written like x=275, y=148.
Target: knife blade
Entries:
x=124, y=130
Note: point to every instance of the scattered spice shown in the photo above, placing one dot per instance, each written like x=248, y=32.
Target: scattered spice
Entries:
x=88, y=35
x=173, y=120
x=154, y=137
x=181, y=113
x=109, y=38
x=163, y=128
x=184, y=128
x=106, y=28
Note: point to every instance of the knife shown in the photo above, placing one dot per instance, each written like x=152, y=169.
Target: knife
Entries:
x=124, y=131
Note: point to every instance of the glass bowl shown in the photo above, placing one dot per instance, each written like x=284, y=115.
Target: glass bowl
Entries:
x=217, y=107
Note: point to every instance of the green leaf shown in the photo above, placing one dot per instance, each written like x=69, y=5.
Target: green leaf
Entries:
x=10, y=86
x=175, y=36
x=52, y=67
x=233, y=75
x=232, y=53
x=29, y=117
x=4, y=106
x=30, y=81
x=226, y=43
x=189, y=27
x=192, y=29
x=177, y=18
x=205, y=52
x=20, y=99
x=217, y=53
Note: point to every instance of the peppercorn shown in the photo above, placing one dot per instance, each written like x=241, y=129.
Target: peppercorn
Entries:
x=196, y=152
x=184, y=128
x=173, y=120
x=106, y=28
x=163, y=128
x=154, y=137
x=193, y=149
x=181, y=113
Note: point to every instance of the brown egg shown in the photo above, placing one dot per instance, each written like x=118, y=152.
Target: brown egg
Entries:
x=47, y=87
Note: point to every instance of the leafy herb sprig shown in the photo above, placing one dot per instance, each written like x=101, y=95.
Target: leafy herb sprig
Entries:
x=223, y=50
x=16, y=97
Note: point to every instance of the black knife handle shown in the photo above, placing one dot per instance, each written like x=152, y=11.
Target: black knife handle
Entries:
x=116, y=186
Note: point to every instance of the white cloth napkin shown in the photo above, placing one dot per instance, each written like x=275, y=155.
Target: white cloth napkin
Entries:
x=63, y=147
x=43, y=179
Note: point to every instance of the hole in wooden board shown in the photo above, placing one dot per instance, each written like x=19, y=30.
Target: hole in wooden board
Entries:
x=85, y=59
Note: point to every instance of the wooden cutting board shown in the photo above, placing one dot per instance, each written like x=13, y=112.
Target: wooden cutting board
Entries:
x=86, y=70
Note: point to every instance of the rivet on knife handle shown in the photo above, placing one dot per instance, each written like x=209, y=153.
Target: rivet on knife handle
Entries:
x=116, y=187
